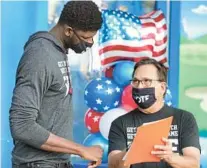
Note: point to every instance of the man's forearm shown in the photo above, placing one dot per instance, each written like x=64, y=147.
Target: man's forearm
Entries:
x=177, y=161
x=33, y=134
x=58, y=144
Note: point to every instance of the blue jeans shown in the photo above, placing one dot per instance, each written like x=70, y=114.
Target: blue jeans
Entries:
x=43, y=164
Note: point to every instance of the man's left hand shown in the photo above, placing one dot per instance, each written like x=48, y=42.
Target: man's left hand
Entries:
x=163, y=151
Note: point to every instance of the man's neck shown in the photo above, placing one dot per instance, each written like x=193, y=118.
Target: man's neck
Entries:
x=57, y=33
x=157, y=106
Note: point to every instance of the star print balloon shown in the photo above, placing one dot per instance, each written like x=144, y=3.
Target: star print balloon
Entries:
x=102, y=94
x=92, y=119
x=168, y=98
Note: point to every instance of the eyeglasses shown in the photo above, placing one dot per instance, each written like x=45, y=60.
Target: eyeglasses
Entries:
x=145, y=82
x=77, y=34
x=81, y=39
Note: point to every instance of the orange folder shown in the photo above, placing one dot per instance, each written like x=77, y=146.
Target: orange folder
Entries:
x=147, y=136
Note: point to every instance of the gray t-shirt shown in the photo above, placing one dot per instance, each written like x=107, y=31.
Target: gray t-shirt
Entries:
x=41, y=101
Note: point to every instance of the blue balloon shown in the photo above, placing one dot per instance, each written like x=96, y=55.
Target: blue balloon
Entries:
x=97, y=139
x=203, y=160
x=122, y=73
x=102, y=94
x=168, y=98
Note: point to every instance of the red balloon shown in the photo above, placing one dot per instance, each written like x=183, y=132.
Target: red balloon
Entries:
x=127, y=100
x=109, y=72
x=91, y=120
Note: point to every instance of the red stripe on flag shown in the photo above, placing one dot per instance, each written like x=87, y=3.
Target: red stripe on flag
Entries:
x=159, y=29
x=164, y=60
x=161, y=42
x=159, y=18
x=125, y=48
x=157, y=42
x=159, y=53
x=162, y=29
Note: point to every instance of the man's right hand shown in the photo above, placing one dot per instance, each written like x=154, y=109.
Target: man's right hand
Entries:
x=92, y=153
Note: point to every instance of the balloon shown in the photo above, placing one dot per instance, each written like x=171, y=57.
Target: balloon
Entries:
x=127, y=101
x=121, y=37
x=109, y=72
x=203, y=160
x=102, y=94
x=92, y=119
x=168, y=98
x=108, y=118
x=122, y=73
x=97, y=139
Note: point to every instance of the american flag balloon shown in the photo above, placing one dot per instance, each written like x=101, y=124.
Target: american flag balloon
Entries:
x=92, y=119
x=124, y=36
x=102, y=94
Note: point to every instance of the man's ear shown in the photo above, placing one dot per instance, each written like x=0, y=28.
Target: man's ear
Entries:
x=68, y=30
x=164, y=88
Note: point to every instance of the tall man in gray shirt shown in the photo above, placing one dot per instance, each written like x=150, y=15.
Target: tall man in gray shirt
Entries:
x=41, y=115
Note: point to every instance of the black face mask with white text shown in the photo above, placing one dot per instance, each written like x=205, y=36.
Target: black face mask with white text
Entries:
x=144, y=97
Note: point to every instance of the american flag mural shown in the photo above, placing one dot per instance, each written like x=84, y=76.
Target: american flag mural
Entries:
x=124, y=36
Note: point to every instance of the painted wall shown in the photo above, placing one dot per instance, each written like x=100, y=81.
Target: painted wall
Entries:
x=193, y=66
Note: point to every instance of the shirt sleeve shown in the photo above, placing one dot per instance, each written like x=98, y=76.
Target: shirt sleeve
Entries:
x=189, y=132
x=117, y=138
x=32, y=81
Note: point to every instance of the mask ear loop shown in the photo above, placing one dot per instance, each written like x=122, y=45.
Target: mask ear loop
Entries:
x=78, y=37
x=81, y=40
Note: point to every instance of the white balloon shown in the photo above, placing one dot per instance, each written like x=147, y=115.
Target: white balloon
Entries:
x=108, y=118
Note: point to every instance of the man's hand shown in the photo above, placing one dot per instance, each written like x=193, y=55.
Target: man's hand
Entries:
x=94, y=164
x=190, y=157
x=163, y=151
x=93, y=153
x=115, y=159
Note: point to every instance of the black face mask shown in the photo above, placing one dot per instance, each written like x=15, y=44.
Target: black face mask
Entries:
x=144, y=97
x=81, y=47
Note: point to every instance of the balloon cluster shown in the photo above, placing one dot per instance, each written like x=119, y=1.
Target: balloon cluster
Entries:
x=107, y=99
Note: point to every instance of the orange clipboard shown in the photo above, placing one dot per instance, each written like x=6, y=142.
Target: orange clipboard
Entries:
x=147, y=136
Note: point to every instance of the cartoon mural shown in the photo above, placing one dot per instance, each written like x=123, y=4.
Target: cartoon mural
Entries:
x=193, y=66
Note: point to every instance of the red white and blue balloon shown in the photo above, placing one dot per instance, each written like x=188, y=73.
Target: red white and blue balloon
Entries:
x=102, y=94
x=92, y=119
